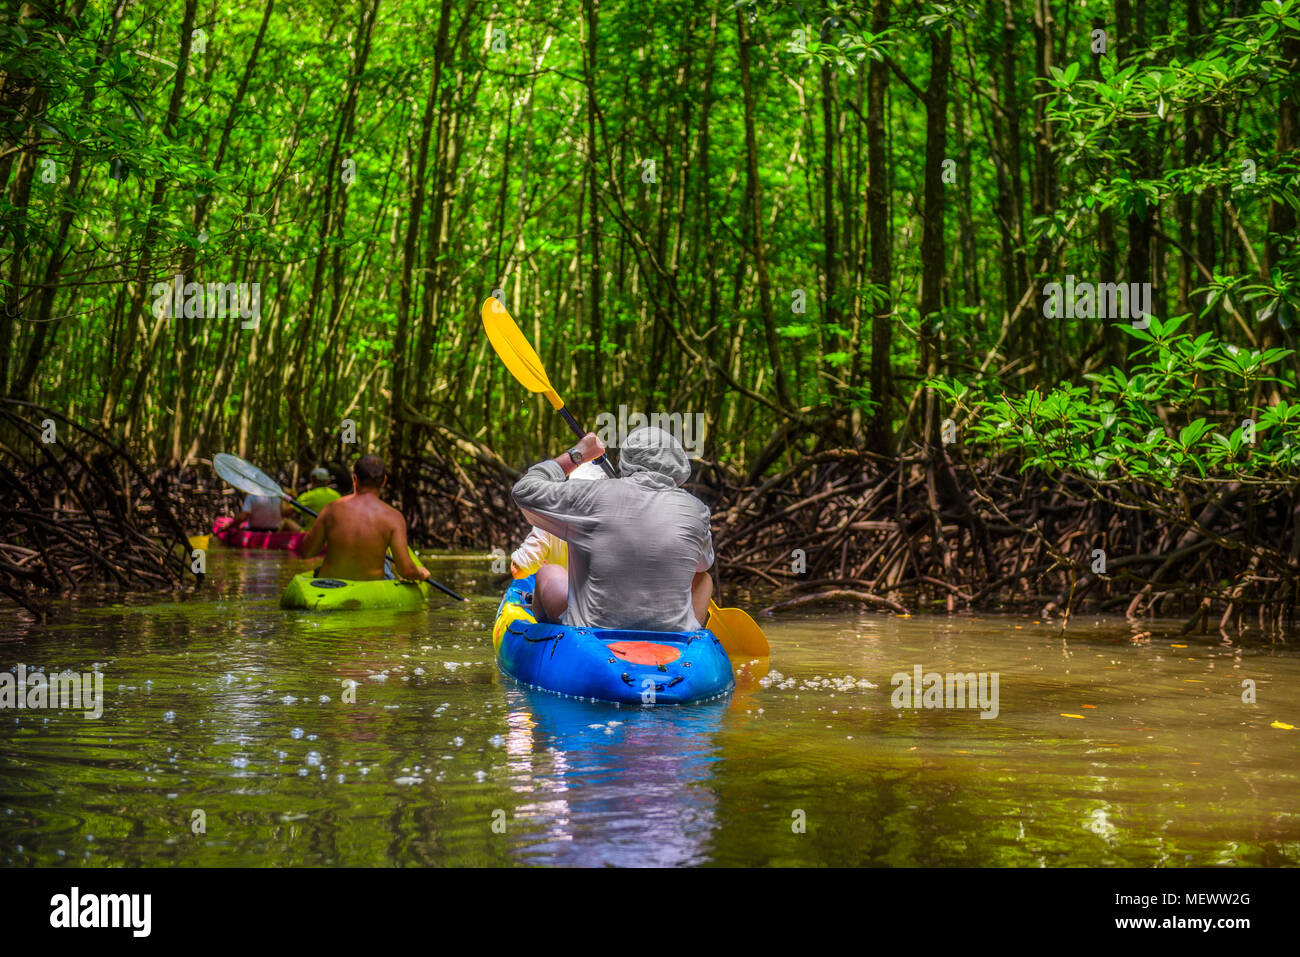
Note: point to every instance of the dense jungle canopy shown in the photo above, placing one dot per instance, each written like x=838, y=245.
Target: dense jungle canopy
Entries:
x=785, y=216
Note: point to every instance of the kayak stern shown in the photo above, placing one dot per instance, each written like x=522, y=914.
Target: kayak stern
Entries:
x=605, y=664
x=333, y=594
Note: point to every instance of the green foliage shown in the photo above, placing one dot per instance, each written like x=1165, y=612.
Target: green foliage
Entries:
x=513, y=186
x=1191, y=407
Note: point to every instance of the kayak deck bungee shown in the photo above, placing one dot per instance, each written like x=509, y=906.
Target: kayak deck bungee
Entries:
x=226, y=532
x=607, y=664
x=336, y=594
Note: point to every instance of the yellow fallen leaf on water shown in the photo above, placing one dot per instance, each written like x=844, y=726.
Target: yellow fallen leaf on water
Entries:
x=1177, y=646
x=1090, y=706
x=963, y=752
x=1064, y=715
x=1282, y=726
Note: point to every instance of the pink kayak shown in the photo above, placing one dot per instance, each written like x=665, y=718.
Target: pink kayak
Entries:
x=243, y=537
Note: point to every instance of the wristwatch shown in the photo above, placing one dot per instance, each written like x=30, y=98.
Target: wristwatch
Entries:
x=575, y=456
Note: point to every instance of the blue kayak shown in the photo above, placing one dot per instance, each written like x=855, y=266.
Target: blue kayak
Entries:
x=607, y=664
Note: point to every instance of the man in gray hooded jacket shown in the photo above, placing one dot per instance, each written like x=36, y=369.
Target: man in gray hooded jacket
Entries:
x=639, y=546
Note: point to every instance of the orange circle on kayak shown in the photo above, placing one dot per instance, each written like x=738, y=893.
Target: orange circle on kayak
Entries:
x=645, y=652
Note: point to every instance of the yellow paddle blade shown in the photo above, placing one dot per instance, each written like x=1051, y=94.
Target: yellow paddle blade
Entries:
x=738, y=632
x=517, y=352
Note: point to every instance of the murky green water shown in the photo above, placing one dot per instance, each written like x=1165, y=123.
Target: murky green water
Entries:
x=225, y=705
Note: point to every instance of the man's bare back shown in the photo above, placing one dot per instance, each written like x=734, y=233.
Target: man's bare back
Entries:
x=355, y=532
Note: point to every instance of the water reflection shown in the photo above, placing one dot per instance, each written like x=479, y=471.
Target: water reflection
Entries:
x=600, y=785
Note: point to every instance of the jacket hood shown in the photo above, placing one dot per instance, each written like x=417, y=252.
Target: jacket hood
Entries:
x=654, y=457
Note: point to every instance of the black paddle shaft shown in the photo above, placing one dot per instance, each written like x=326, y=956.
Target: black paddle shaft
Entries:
x=297, y=504
x=603, y=462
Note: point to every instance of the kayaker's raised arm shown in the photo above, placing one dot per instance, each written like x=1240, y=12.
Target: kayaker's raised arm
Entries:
x=553, y=504
x=588, y=449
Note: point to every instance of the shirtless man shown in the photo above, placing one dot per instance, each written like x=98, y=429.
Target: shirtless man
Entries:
x=356, y=530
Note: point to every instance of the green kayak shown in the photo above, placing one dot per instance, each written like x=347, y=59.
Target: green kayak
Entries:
x=335, y=594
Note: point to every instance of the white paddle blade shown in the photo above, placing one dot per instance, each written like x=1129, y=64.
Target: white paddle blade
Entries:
x=244, y=476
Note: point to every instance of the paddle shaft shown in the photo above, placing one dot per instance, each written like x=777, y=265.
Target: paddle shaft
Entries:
x=298, y=505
